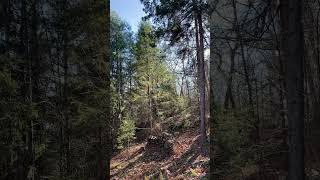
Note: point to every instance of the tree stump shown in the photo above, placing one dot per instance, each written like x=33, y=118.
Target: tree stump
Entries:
x=160, y=145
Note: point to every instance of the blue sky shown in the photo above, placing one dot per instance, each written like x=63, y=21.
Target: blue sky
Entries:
x=129, y=10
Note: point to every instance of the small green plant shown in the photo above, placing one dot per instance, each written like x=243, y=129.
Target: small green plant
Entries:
x=126, y=133
x=193, y=173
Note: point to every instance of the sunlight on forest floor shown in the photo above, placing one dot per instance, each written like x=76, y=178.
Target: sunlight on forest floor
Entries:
x=186, y=162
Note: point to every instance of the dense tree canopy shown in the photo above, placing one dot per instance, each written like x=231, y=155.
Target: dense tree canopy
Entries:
x=54, y=93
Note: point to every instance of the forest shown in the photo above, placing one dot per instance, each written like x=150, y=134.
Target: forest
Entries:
x=203, y=89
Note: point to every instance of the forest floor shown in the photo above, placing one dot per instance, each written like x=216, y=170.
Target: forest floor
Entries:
x=186, y=162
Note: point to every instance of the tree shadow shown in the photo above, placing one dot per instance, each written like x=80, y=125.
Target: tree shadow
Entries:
x=156, y=156
x=131, y=165
x=187, y=159
x=177, y=167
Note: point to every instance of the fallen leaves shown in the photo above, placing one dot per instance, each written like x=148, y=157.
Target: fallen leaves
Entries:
x=132, y=163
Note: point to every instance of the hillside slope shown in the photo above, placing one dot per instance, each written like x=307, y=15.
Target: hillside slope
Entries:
x=185, y=163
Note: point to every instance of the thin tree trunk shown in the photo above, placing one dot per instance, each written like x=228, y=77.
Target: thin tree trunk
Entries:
x=65, y=97
x=201, y=75
x=211, y=95
x=106, y=170
x=283, y=57
x=23, y=163
x=229, y=96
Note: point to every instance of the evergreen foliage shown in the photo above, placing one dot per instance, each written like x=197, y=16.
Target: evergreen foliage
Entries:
x=126, y=133
x=154, y=94
x=54, y=89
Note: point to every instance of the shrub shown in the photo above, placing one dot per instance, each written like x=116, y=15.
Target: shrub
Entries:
x=232, y=133
x=126, y=133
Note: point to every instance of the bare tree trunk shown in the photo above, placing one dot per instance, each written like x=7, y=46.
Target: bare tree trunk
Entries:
x=211, y=95
x=201, y=75
x=33, y=80
x=283, y=56
x=294, y=85
x=65, y=124
x=105, y=163
x=23, y=164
